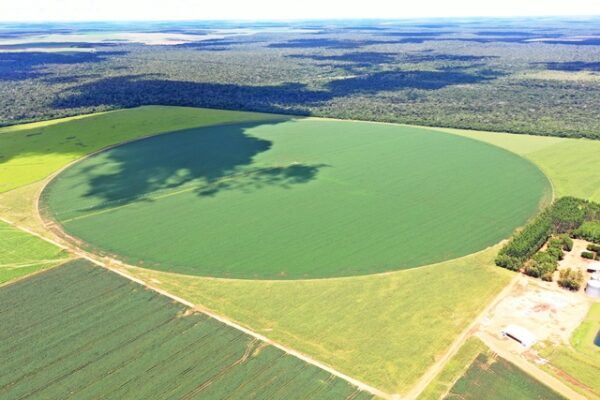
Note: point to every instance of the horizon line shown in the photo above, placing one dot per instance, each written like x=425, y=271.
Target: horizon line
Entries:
x=315, y=19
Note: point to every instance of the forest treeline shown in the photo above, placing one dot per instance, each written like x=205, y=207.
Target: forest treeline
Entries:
x=530, y=81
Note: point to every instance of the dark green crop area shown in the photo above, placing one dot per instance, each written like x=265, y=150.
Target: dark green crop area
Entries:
x=295, y=199
x=81, y=332
x=497, y=379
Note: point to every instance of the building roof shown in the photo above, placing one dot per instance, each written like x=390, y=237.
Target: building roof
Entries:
x=526, y=338
x=594, y=283
x=595, y=266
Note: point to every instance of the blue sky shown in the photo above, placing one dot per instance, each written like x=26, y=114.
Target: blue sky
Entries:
x=96, y=10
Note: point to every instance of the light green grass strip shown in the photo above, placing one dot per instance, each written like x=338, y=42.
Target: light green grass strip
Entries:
x=22, y=254
x=572, y=165
x=581, y=360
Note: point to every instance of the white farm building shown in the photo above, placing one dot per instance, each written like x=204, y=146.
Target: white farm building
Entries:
x=593, y=267
x=520, y=334
x=593, y=288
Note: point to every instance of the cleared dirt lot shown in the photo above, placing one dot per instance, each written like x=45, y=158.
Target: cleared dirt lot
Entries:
x=547, y=311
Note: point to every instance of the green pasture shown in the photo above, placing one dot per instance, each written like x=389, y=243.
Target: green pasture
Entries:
x=296, y=199
x=22, y=254
x=492, y=377
x=81, y=332
x=572, y=165
x=581, y=358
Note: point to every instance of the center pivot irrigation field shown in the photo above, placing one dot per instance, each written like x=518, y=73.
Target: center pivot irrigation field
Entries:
x=295, y=199
x=81, y=332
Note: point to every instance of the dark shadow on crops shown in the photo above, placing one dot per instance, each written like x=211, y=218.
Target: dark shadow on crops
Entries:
x=205, y=161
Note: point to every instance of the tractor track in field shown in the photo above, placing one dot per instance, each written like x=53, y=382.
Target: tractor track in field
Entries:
x=439, y=365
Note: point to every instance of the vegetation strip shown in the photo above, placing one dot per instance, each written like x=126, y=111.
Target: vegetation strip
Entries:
x=566, y=216
x=22, y=254
x=578, y=363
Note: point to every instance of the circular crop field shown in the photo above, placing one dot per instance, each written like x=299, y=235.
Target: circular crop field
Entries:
x=295, y=199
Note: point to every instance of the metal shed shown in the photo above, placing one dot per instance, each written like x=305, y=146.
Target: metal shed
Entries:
x=520, y=334
x=593, y=288
x=593, y=267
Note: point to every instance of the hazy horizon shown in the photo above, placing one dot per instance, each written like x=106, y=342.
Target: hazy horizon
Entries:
x=48, y=11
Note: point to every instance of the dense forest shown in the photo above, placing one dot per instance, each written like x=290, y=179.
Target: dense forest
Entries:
x=490, y=75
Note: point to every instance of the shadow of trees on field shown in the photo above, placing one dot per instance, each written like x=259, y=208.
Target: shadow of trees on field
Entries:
x=205, y=161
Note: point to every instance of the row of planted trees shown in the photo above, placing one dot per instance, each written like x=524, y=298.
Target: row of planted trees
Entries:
x=565, y=218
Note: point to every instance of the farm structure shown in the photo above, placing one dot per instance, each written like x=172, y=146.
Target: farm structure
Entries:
x=520, y=334
x=593, y=288
x=593, y=267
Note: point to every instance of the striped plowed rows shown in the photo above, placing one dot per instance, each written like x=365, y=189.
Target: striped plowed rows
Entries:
x=81, y=332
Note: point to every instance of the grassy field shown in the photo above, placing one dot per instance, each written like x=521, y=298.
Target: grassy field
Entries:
x=79, y=331
x=31, y=152
x=580, y=360
x=386, y=330
x=494, y=378
x=22, y=254
x=297, y=199
x=572, y=165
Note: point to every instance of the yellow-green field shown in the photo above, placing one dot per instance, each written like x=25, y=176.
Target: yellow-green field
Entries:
x=580, y=360
x=572, y=165
x=383, y=329
x=22, y=254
